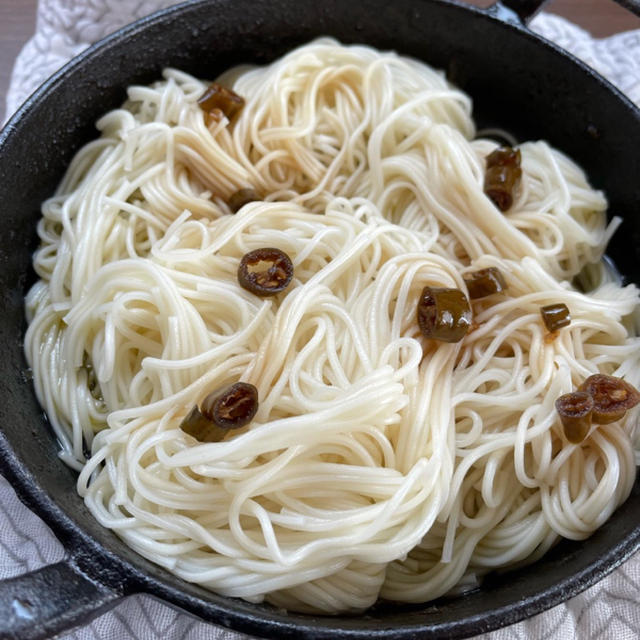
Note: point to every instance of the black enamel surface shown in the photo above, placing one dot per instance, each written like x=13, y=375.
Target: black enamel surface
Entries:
x=517, y=81
x=53, y=599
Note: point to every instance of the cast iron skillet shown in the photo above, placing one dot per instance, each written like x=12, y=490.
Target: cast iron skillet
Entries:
x=517, y=80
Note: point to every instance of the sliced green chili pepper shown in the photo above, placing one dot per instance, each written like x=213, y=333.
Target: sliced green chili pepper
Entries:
x=575, y=411
x=612, y=397
x=443, y=314
x=484, y=282
x=231, y=407
x=218, y=97
x=502, y=176
x=201, y=428
x=555, y=316
x=265, y=272
x=242, y=197
x=226, y=408
x=504, y=157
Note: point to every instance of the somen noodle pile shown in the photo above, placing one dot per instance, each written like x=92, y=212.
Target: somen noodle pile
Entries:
x=380, y=463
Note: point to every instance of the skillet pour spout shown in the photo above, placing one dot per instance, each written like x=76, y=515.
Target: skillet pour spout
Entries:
x=517, y=80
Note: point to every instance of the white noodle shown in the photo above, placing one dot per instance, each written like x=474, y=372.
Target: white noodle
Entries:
x=379, y=463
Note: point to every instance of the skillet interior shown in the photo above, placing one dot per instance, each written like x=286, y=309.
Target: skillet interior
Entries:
x=516, y=82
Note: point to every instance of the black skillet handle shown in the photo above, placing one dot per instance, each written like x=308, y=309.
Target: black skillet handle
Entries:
x=524, y=9
x=527, y=9
x=45, y=602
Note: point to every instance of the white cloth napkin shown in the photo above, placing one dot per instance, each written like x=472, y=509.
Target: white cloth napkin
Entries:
x=610, y=609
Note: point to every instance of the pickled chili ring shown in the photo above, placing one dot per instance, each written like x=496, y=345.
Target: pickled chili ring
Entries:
x=231, y=407
x=201, y=428
x=502, y=175
x=265, y=271
x=504, y=156
x=241, y=197
x=218, y=97
x=224, y=409
x=576, y=411
x=500, y=183
x=555, y=316
x=484, y=282
x=502, y=198
x=612, y=397
x=443, y=314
